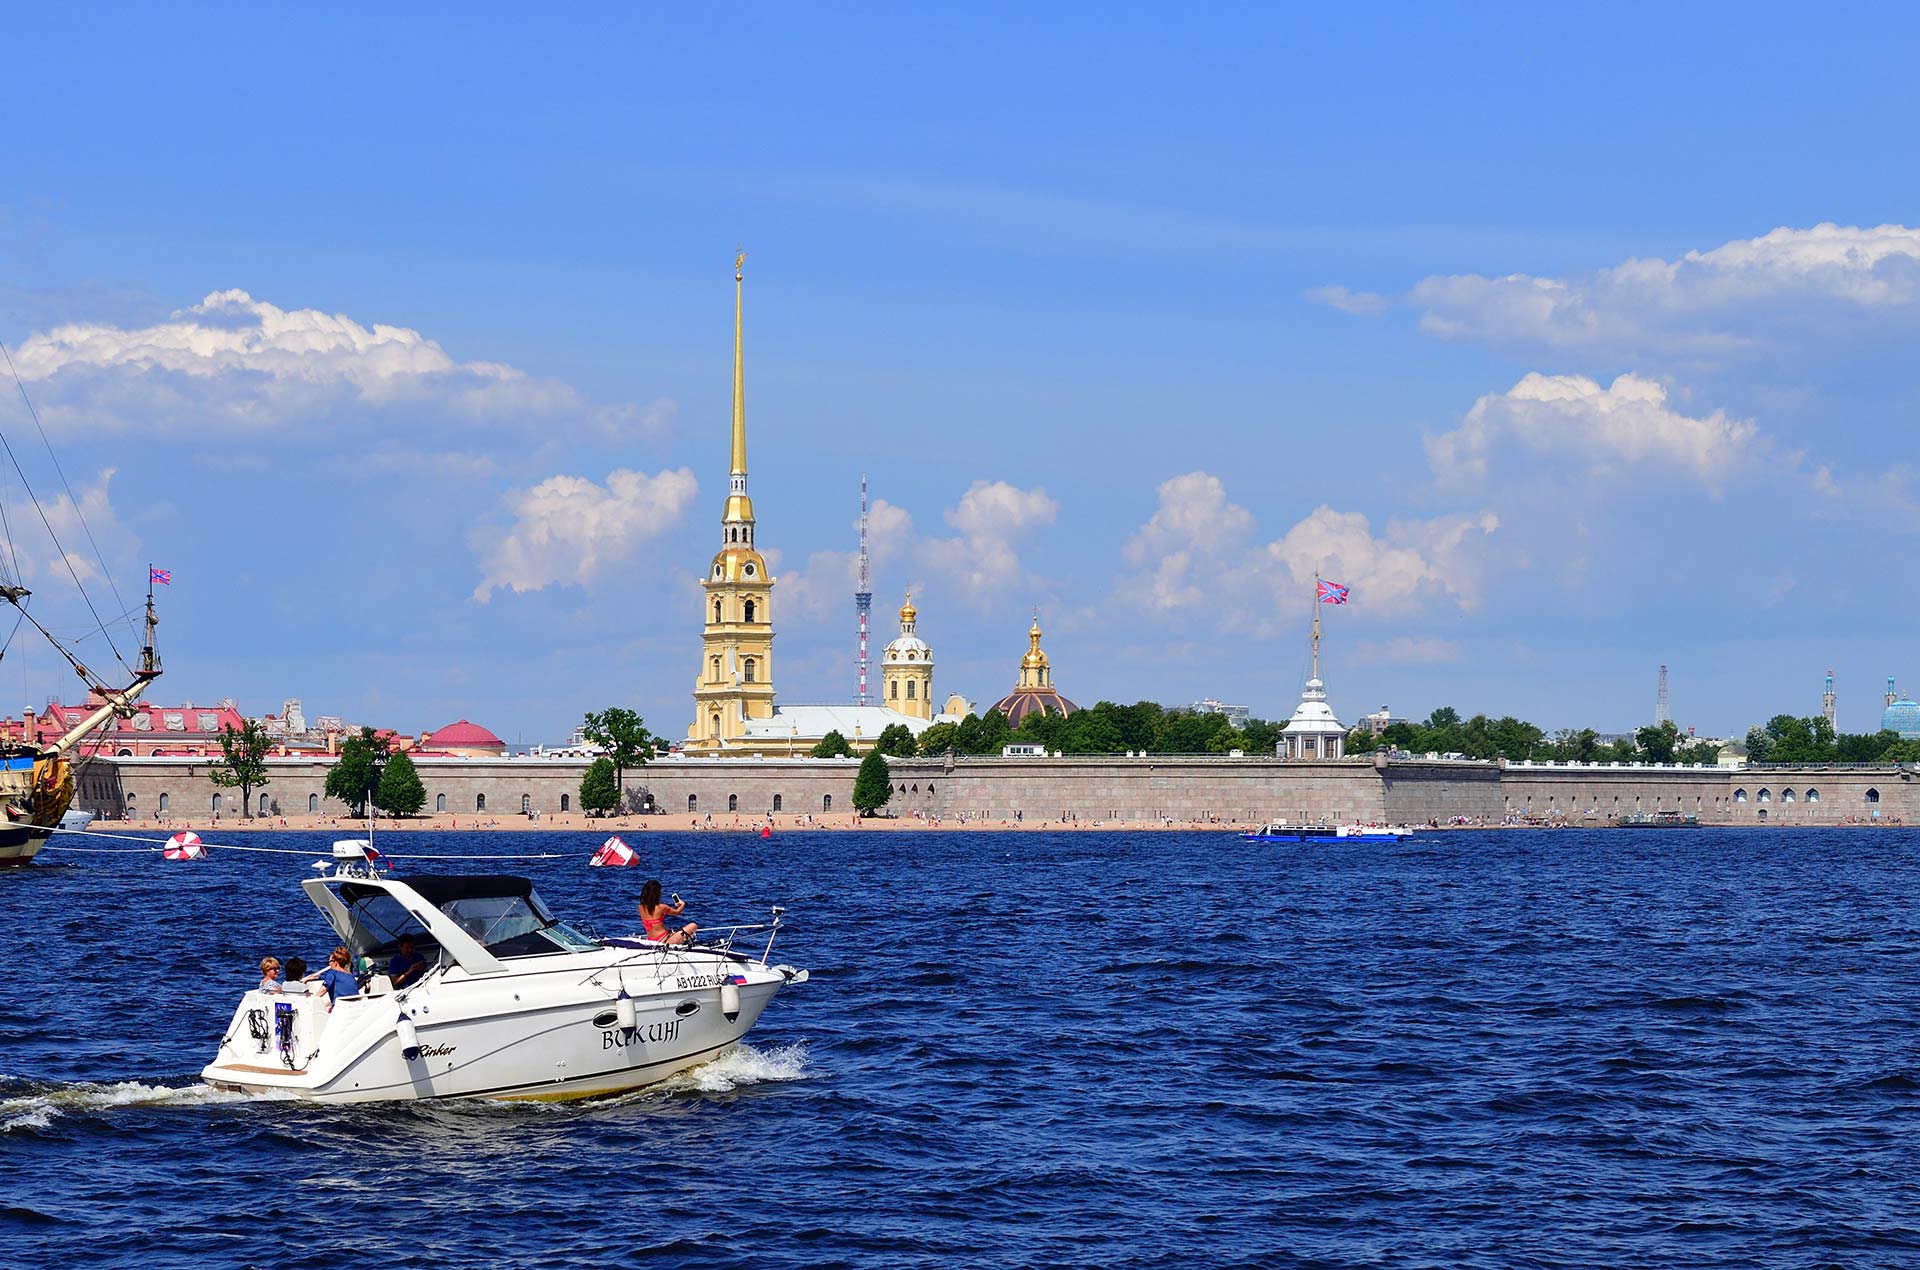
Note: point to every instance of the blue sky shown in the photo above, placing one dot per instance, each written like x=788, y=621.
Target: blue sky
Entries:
x=1522, y=324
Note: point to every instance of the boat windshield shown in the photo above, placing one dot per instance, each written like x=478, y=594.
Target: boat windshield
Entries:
x=502, y=914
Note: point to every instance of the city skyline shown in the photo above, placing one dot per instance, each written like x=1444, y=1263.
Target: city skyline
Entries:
x=430, y=431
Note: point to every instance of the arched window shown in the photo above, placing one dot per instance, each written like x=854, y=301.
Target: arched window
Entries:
x=165, y=802
x=713, y=724
x=716, y=610
x=1739, y=795
x=715, y=665
x=693, y=802
x=479, y=802
x=749, y=610
x=1813, y=795
x=733, y=802
x=131, y=799
x=125, y=753
x=1873, y=795
x=894, y=690
x=1786, y=795
x=566, y=802
x=733, y=535
x=526, y=803
x=776, y=802
x=216, y=804
x=439, y=802
x=826, y=802
x=1762, y=813
x=914, y=790
x=909, y=690
x=313, y=802
x=748, y=667
x=1764, y=796
x=264, y=804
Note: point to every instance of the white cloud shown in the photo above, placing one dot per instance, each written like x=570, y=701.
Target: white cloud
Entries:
x=567, y=529
x=823, y=588
x=1415, y=564
x=1405, y=650
x=238, y=362
x=1627, y=424
x=1198, y=553
x=1696, y=301
x=69, y=521
x=1357, y=303
x=992, y=517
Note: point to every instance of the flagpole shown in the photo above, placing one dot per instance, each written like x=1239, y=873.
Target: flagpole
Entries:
x=1316, y=624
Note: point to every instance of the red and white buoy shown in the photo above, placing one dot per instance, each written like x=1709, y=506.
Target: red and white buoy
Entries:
x=185, y=845
x=614, y=853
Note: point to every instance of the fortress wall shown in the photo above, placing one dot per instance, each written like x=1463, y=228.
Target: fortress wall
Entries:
x=1238, y=790
x=1152, y=788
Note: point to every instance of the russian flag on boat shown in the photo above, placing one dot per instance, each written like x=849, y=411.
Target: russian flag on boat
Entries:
x=185, y=845
x=740, y=979
x=614, y=853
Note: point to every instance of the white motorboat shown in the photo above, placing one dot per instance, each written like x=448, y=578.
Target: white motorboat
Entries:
x=1320, y=831
x=514, y=1004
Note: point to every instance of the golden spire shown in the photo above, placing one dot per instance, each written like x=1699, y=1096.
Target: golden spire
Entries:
x=908, y=613
x=739, y=372
x=1034, y=658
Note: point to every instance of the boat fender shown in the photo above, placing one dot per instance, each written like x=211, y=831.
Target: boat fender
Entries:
x=409, y=1037
x=623, y=1011
x=730, y=1000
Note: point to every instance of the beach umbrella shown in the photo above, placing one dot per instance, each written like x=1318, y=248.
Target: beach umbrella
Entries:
x=614, y=853
x=185, y=845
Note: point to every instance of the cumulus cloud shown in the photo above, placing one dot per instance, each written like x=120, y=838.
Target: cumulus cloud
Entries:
x=824, y=586
x=1405, y=650
x=242, y=363
x=1357, y=303
x=1414, y=564
x=567, y=529
x=1199, y=552
x=1695, y=301
x=1629, y=423
x=992, y=517
x=59, y=548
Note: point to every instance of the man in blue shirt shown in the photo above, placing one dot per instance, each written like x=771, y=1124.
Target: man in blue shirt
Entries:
x=407, y=965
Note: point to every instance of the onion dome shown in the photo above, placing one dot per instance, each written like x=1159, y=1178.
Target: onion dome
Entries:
x=1903, y=716
x=1035, y=690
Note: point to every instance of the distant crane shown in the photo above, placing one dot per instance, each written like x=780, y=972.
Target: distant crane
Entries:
x=863, y=594
x=1660, y=712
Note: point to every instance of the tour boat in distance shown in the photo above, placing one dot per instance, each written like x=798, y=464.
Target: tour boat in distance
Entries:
x=1281, y=831
x=514, y=1004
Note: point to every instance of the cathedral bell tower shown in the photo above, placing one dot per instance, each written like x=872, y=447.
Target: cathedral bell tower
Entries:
x=735, y=683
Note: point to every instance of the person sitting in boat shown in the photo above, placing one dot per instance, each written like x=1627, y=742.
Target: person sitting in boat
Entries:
x=337, y=980
x=269, y=974
x=407, y=965
x=654, y=915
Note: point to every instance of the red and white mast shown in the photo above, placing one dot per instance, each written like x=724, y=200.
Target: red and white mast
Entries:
x=863, y=596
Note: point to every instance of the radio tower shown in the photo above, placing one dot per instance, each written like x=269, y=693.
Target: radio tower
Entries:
x=863, y=598
x=1660, y=699
x=1826, y=700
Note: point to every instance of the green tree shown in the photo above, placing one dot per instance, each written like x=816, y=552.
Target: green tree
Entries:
x=355, y=774
x=400, y=792
x=624, y=736
x=939, y=738
x=243, y=761
x=599, y=791
x=1360, y=740
x=897, y=740
x=832, y=745
x=1658, y=741
x=872, y=784
x=1759, y=745
x=1261, y=735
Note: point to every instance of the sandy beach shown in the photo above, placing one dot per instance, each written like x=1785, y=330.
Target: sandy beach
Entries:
x=610, y=825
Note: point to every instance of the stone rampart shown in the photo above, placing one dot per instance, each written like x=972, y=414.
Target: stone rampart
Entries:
x=1152, y=787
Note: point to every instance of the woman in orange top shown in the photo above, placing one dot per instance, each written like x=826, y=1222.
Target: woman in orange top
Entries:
x=654, y=915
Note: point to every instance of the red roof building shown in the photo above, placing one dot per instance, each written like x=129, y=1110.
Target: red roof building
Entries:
x=181, y=729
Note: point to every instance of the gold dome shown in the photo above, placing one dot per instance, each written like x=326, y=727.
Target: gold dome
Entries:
x=1034, y=658
x=908, y=612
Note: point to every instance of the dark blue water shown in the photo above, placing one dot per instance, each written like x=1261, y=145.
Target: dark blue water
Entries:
x=1521, y=1049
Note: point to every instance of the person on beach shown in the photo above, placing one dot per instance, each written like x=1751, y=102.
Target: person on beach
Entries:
x=654, y=915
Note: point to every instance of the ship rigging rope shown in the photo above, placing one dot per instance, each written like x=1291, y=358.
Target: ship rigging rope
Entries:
x=81, y=515
x=155, y=844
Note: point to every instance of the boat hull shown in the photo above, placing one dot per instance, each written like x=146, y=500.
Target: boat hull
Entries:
x=544, y=1035
x=20, y=843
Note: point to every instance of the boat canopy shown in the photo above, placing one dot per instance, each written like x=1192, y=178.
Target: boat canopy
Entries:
x=474, y=920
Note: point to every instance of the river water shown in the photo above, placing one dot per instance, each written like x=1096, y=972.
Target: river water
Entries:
x=1505, y=1049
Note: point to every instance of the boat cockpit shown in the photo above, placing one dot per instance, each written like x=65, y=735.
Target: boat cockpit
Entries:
x=476, y=922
